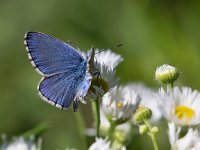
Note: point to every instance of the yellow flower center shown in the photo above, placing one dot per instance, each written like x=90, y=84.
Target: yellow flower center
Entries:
x=183, y=112
x=140, y=108
x=120, y=105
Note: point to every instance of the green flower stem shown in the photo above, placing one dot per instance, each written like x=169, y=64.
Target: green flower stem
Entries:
x=170, y=86
x=111, y=130
x=151, y=134
x=36, y=131
x=98, y=116
x=81, y=129
x=96, y=112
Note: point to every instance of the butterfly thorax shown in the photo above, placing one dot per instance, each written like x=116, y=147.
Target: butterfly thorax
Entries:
x=83, y=85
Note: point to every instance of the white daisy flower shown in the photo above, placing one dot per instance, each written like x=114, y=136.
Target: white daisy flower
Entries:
x=148, y=100
x=181, y=105
x=105, y=64
x=190, y=141
x=120, y=103
x=21, y=144
x=103, y=144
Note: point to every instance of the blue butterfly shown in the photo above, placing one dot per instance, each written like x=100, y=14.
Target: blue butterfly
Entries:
x=67, y=74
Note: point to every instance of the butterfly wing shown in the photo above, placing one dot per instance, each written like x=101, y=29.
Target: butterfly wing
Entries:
x=50, y=56
x=62, y=89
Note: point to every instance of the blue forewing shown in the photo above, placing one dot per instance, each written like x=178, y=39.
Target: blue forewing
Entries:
x=66, y=73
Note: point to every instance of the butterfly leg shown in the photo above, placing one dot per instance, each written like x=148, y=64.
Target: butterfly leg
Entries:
x=76, y=104
x=98, y=74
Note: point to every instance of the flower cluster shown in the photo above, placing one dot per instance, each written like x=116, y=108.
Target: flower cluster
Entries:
x=134, y=103
x=119, y=109
x=180, y=107
x=119, y=103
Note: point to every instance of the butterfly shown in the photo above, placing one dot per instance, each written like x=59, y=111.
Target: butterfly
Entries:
x=67, y=74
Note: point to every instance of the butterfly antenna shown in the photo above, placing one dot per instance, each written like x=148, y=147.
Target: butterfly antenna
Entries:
x=112, y=47
x=73, y=44
x=118, y=45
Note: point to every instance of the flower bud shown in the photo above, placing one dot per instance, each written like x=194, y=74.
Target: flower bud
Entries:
x=166, y=74
x=142, y=114
x=119, y=136
x=143, y=129
x=155, y=130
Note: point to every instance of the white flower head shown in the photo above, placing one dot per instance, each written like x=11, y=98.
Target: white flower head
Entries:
x=190, y=141
x=70, y=148
x=105, y=125
x=104, y=144
x=181, y=105
x=148, y=100
x=100, y=144
x=166, y=74
x=104, y=66
x=120, y=103
x=21, y=144
x=108, y=58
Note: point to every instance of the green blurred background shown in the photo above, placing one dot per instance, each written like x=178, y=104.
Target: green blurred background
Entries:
x=153, y=32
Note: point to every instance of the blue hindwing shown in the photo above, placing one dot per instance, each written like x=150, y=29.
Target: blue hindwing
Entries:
x=61, y=89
